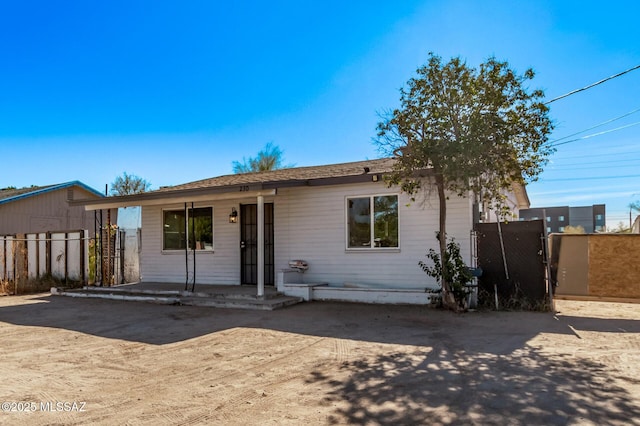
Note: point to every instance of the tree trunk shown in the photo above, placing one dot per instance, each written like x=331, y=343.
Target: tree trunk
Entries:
x=448, y=299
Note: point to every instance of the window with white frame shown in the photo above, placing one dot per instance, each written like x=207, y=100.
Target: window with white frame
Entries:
x=372, y=222
x=196, y=229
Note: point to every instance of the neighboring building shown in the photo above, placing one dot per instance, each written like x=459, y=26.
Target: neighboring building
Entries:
x=45, y=209
x=591, y=218
x=342, y=219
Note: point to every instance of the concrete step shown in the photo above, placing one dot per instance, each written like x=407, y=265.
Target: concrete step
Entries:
x=214, y=292
x=256, y=304
x=215, y=300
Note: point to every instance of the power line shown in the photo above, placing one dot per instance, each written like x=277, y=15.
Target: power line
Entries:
x=601, y=155
x=596, y=126
x=588, y=178
x=563, y=168
x=592, y=85
x=595, y=134
x=626, y=160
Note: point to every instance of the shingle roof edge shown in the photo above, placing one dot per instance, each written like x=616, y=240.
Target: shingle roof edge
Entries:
x=45, y=189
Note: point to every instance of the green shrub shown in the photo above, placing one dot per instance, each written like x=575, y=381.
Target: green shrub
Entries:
x=455, y=272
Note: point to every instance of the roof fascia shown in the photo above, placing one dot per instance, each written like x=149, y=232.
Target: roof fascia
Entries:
x=196, y=194
x=171, y=197
x=339, y=180
x=223, y=192
x=520, y=191
x=50, y=189
x=83, y=186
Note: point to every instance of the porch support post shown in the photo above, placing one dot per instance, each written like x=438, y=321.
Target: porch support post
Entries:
x=260, y=246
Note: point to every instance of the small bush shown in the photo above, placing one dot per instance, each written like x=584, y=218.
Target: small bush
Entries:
x=455, y=272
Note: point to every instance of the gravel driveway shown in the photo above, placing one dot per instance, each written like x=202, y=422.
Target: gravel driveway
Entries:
x=80, y=361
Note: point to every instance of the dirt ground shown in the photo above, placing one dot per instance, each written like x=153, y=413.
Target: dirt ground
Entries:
x=74, y=361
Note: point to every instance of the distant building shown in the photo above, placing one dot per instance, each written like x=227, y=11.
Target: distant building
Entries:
x=46, y=208
x=591, y=218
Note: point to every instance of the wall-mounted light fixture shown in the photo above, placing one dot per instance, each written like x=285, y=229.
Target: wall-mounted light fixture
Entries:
x=233, y=216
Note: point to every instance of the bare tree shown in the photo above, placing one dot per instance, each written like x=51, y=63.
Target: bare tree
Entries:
x=269, y=158
x=129, y=184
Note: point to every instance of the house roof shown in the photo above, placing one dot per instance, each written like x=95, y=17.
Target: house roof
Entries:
x=247, y=185
x=10, y=195
x=261, y=183
x=295, y=175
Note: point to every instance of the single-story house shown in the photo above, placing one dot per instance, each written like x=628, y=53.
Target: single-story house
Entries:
x=44, y=209
x=350, y=229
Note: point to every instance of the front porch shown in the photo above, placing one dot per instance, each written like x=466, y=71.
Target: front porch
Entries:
x=216, y=296
x=288, y=292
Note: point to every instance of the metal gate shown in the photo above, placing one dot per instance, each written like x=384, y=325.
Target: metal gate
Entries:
x=106, y=252
x=513, y=258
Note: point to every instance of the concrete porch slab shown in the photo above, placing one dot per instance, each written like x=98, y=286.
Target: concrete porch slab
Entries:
x=218, y=296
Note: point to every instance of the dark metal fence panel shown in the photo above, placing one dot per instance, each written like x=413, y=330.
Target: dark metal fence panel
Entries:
x=512, y=258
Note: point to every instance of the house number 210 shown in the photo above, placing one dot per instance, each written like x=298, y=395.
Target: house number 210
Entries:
x=244, y=188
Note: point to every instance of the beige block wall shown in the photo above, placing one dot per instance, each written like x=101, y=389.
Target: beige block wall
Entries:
x=599, y=265
x=614, y=265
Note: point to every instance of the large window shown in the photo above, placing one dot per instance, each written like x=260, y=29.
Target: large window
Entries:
x=372, y=222
x=198, y=226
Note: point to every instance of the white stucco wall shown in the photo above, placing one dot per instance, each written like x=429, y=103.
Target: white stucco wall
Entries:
x=310, y=224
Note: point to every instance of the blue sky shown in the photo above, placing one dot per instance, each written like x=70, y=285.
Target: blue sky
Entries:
x=176, y=91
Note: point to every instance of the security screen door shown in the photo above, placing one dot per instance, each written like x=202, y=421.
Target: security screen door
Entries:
x=249, y=244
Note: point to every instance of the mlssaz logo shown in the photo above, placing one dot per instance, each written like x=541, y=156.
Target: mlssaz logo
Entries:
x=63, y=406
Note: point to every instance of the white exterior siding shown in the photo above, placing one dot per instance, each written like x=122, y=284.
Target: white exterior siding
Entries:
x=310, y=224
x=220, y=267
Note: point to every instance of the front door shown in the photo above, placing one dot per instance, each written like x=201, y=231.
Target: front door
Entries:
x=249, y=244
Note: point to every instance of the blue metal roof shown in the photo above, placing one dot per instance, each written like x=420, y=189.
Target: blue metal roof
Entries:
x=21, y=194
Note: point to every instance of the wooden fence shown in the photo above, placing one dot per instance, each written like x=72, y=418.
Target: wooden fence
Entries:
x=60, y=255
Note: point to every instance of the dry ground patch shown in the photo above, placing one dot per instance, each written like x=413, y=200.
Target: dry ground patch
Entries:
x=317, y=363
